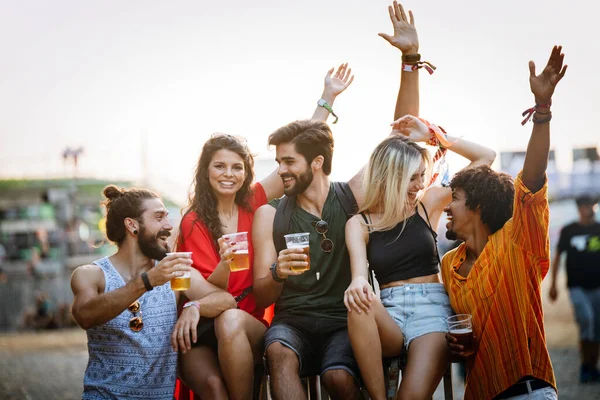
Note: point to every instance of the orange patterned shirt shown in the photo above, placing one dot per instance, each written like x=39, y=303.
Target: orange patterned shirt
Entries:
x=503, y=294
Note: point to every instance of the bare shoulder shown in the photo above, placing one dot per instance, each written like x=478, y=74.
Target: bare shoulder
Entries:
x=264, y=214
x=355, y=222
x=87, y=277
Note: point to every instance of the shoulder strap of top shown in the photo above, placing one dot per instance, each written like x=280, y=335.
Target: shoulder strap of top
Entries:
x=433, y=232
x=282, y=220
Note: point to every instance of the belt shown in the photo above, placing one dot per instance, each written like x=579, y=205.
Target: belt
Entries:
x=524, y=386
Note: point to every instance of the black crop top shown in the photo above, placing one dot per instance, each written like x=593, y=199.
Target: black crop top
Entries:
x=412, y=254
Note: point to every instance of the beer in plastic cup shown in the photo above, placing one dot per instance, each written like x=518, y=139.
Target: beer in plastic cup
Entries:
x=181, y=282
x=299, y=241
x=240, y=260
x=461, y=327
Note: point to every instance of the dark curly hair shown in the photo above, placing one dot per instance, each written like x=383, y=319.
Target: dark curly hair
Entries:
x=492, y=192
x=202, y=199
x=311, y=139
x=121, y=204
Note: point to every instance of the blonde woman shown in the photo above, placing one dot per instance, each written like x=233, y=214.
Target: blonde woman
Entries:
x=395, y=234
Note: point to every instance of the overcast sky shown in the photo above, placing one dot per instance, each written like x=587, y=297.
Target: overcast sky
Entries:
x=107, y=74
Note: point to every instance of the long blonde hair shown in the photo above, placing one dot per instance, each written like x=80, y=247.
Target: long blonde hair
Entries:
x=387, y=178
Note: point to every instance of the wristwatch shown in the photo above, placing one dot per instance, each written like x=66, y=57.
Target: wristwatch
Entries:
x=276, y=277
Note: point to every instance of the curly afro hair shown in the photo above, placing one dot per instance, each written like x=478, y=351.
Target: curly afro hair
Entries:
x=489, y=191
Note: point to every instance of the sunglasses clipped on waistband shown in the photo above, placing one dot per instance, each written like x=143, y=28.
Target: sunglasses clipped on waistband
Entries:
x=322, y=227
x=136, y=323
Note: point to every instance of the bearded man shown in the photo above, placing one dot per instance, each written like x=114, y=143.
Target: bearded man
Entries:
x=126, y=305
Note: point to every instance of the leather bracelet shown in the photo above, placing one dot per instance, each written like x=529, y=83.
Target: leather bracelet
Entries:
x=276, y=277
x=411, y=58
x=541, y=120
x=146, y=281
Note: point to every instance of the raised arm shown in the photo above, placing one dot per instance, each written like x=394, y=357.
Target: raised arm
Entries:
x=538, y=149
x=406, y=40
x=334, y=86
x=436, y=198
x=92, y=307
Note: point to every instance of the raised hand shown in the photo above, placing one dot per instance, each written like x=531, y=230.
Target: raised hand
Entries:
x=405, y=35
x=339, y=82
x=543, y=85
x=411, y=127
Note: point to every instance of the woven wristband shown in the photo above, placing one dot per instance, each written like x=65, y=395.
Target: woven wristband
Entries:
x=542, y=120
x=529, y=112
x=411, y=58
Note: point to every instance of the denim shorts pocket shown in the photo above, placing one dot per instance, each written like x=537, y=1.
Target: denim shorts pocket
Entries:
x=438, y=298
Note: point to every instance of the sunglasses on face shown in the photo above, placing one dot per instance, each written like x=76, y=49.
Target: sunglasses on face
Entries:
x=135, y=323
x=322, y=228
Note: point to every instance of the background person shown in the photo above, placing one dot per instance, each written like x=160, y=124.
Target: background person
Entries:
x=581, y=241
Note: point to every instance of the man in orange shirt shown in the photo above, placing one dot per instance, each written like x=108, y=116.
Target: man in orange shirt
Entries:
x=496, y=274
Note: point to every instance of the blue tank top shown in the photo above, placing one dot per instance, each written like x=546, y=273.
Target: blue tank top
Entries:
x=124, y=364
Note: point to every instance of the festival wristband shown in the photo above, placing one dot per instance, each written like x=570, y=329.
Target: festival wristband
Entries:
x=429, y=67
x=529, y=112
x=325, y=105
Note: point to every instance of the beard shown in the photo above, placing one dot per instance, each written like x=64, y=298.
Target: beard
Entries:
x=303, y=181
x=149, y=244
x=451, y=235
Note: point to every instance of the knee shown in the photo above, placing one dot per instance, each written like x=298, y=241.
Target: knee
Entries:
x=229, y=324
x=413, y=393
x=280, y=358
x=213, y=386
x=340, y=383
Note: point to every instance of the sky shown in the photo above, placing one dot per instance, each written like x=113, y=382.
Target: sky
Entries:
x=140, y=85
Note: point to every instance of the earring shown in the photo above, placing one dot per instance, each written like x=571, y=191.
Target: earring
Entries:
x=135, y=231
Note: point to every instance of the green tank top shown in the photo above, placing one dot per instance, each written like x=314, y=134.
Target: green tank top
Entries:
x=304, y=294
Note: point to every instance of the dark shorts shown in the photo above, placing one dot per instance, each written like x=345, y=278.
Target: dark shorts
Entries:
x=321, y=344
x=206, y=334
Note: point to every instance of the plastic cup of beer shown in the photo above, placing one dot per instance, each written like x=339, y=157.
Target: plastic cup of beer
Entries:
x=299, y=241
x=181, y=282
x=461, y=327
x=240, y=260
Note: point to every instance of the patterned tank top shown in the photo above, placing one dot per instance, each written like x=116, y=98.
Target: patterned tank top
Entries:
x=124, y=364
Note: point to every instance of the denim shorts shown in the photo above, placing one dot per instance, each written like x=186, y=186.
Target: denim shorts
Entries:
x=586, y=304
x=418, y=309
x=321, y=344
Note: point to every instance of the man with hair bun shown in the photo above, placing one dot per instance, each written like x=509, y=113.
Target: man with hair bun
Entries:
x=126, y=305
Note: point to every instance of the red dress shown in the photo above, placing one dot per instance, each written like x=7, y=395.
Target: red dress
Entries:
x=195, y=237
